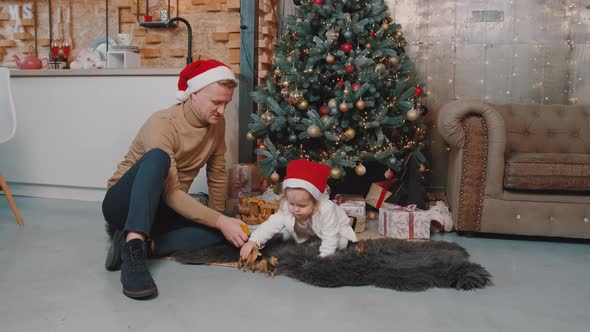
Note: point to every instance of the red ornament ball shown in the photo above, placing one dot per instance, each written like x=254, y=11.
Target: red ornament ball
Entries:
x=340, y=83
x=318, y=2
x=349, y=69
x=418, y=92
x=355, y=86
x=422, y=168
x=324, y=110
x=372, y=34
x=388, y=174
x=347, y=47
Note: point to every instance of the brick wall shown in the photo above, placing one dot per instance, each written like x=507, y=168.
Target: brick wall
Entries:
x=215, y=25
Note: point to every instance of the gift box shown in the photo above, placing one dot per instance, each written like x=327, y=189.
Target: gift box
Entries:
x=378, y=193
x=244, y=179
x=358, y=223
x=354, y=205
x=404, y=222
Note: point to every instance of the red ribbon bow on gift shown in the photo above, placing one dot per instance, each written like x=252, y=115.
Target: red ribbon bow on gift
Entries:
x=409, y=208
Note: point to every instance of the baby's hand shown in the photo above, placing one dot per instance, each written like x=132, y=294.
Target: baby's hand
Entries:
x=247, y=249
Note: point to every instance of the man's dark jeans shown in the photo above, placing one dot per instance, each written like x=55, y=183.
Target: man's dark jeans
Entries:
x=134, y=204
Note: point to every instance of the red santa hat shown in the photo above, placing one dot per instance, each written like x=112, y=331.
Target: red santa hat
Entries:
x=302, y=173
x=199, y=74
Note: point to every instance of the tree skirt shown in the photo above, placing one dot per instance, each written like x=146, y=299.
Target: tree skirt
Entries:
x=388, y=263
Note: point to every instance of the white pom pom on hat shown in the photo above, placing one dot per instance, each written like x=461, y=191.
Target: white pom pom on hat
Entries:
x=199, y=74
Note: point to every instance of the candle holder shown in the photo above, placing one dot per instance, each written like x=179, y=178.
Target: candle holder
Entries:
x=59, y=54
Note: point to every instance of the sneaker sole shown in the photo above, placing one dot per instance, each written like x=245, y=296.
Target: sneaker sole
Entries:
x=113, y=261
x=141, y=294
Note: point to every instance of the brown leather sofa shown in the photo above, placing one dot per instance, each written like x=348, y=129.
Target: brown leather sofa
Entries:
x=518, y=169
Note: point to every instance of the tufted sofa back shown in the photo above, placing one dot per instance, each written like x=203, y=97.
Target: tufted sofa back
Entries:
x=546, y=128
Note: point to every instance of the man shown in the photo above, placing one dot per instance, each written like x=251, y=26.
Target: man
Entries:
x=147, y=195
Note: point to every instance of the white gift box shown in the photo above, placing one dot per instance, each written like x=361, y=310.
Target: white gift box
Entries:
x=406, y=223
x=354, y=205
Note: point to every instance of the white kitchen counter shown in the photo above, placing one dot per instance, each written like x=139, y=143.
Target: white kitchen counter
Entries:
x=74, y=127
x=96, y=72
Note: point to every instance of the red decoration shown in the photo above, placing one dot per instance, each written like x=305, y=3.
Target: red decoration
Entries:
x=340, y=83
x=418, y=91
x=356, y=86
x=372, y=34
x=389, y=174
x=318, y=2
x=349, y=69
x=347, y=47
x=324, y=110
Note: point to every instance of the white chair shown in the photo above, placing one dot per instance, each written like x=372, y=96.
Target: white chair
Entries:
x=7, y=131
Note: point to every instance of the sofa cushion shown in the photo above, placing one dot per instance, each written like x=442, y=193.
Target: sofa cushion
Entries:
x=548, y=171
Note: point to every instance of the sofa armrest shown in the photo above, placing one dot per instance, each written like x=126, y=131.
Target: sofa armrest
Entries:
x=475, y=132
x=451, y=125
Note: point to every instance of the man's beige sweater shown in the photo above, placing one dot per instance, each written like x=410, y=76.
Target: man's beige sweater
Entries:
x=191, y=143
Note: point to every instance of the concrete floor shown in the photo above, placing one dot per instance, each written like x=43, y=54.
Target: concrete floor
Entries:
x=52, y=279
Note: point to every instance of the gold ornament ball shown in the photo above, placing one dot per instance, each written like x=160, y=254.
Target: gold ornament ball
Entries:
x=403, y=43
x=344, y=107
x=303, y=105
x=413, y=114
x=372, y=215
x=332, y=35
x=385, y=26
x=350, y=133
x=346, y=91
x=360, y=170
x=275, y=177
x=379, y=67
x=325, y=118
x=296, y=96
x=368, y=46
x=360, y=104
x=267, y=118
x=278, y=72
x=399, y=34
x=330, y=59
x=394, y=60
x=332, y=103
x=335, y=173
x=250, y=136
x=313, y=131
x=285, y=93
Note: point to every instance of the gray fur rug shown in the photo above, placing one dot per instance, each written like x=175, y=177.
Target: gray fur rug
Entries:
x=386, y=263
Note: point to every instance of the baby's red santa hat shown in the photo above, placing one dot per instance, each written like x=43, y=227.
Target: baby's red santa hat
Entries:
x=201, y=73
x=302, y=173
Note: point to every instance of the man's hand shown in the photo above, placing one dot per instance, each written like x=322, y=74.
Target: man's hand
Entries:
x=232, y=230
x=247, y=249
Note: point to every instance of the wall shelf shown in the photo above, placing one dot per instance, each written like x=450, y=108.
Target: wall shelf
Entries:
x=155, y=24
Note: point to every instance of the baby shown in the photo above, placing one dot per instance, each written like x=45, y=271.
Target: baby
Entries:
x=305, y=212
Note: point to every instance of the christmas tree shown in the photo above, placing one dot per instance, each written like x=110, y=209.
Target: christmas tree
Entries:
x=342, y=92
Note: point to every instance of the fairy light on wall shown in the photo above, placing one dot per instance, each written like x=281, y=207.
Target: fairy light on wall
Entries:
x=547, y=65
